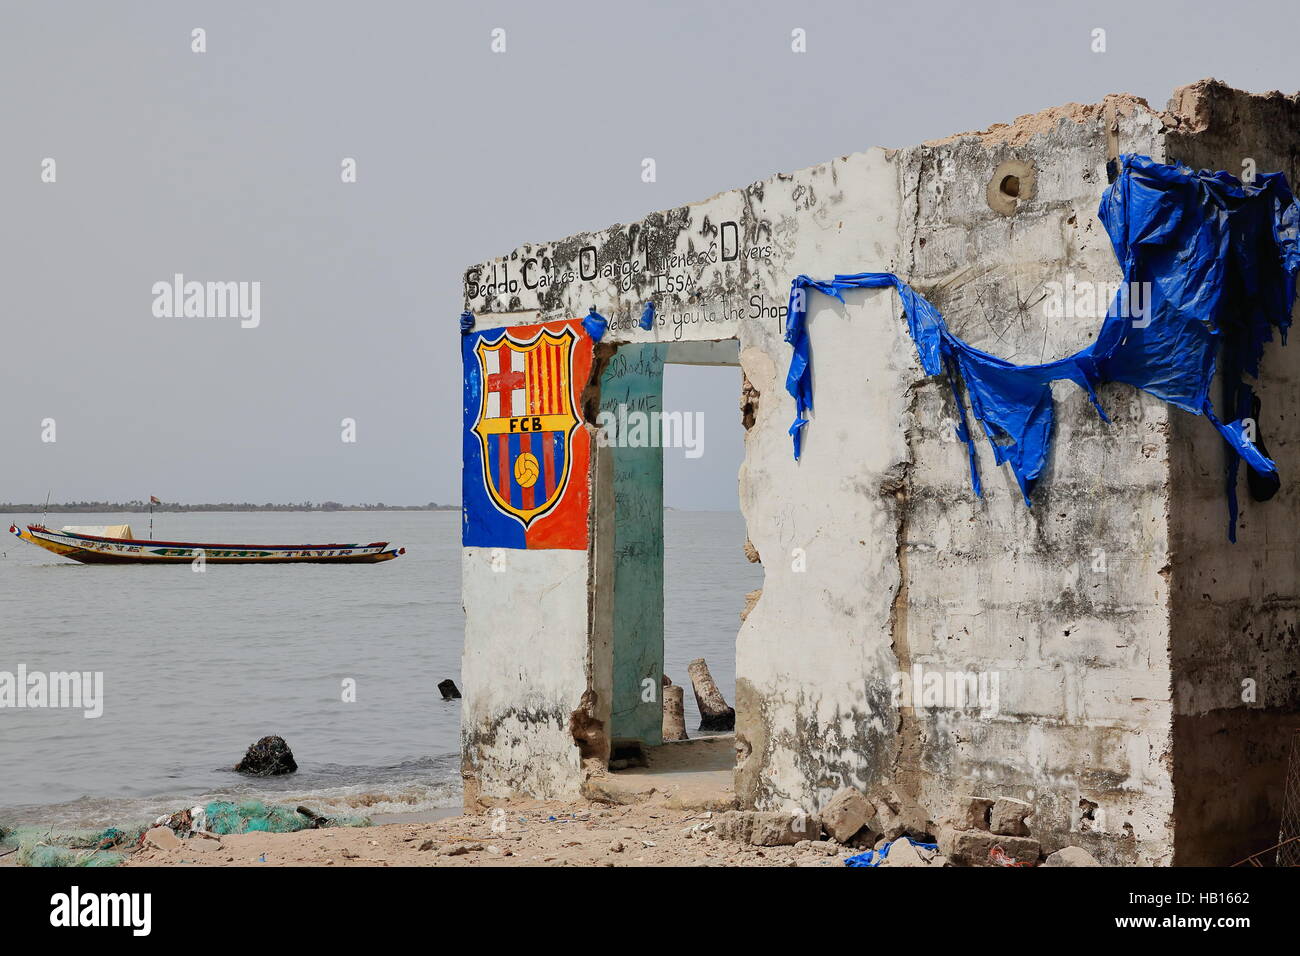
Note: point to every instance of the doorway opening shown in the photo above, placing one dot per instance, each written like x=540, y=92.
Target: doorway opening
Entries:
x=706, y=574
x=673, y=416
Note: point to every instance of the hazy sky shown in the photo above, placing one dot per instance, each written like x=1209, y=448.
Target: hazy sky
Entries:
x=226, y=166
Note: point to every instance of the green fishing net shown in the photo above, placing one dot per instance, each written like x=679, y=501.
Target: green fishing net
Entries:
x=40, y=847
x=37, y=846
x=253, y=816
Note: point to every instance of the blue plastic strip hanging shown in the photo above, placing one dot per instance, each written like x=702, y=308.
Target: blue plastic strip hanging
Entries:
x=1216, y=264
x=595, y=324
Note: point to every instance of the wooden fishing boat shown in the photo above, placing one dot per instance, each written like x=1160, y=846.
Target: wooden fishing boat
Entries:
x=115, y=545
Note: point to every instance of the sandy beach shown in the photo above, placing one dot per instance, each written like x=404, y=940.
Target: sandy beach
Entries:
x=517, y=833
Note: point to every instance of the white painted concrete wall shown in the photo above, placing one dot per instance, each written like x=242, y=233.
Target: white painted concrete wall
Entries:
x=524, y=670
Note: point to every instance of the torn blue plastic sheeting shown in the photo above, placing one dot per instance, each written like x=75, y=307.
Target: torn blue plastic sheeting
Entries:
x=874, y=858
x=466, y=322
x=1219, y=261
x=647, y=316
x=595, y=324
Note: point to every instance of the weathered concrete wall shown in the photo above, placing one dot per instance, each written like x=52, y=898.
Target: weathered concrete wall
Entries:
x=1064, y=603
x=1235, y=607
x=731, y=257
x=877, y=556
x=521, y=683
x=537, y=666
x=814, y=658
x=715, y=269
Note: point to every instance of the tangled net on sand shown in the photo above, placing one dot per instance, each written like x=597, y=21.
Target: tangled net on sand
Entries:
x=37, y=847
x=108, y=847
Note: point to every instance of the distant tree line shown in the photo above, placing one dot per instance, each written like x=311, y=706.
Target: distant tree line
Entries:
x=102, y=507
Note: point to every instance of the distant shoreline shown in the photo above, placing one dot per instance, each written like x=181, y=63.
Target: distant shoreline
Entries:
x=140, y=507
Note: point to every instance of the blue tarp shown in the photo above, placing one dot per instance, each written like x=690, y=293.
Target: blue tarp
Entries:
x=595, y=324
x=1216, y=261
x=874, y=858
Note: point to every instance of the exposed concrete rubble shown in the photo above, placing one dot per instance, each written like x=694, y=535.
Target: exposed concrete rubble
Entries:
x=971, y=813
x=846, y=814
x=1008, y=816
x=898, y=816
x=1024, y=129
x=986, y=831
x=978, y=847
x=1071, y=856
x=768, y=827
x=980, y=831
x=905, y=853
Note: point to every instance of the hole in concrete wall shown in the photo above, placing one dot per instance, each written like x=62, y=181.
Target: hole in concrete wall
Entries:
x=588, y=731
x=1087, y=815
x=749, y=397
x=1012, y=183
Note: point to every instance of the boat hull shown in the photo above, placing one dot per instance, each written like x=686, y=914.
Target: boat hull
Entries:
x=92, y=549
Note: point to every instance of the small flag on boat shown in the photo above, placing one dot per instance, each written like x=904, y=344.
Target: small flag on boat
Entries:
x=154, y=501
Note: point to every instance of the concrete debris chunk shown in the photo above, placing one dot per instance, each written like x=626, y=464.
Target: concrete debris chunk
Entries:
x=973, y=847
x=847, y=812
x=902, y=853
x=1071, y=856
x=1008, y=817
x=896, y=817
x=970, y=813
x=767, y=827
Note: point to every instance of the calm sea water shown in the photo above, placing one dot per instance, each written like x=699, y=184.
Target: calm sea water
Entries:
x=198, y=666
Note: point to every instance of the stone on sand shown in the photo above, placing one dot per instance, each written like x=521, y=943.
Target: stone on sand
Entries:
x=1071, y=856
x=847, y=812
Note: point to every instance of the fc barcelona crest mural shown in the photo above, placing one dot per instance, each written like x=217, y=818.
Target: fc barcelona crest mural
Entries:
x=526, y=453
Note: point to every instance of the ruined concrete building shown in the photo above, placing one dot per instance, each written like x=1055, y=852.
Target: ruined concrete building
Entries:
x=1147, y=667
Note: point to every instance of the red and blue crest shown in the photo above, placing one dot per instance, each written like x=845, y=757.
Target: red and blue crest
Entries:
x=525, y=451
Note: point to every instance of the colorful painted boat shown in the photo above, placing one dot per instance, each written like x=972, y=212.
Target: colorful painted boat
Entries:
x=80, y=544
